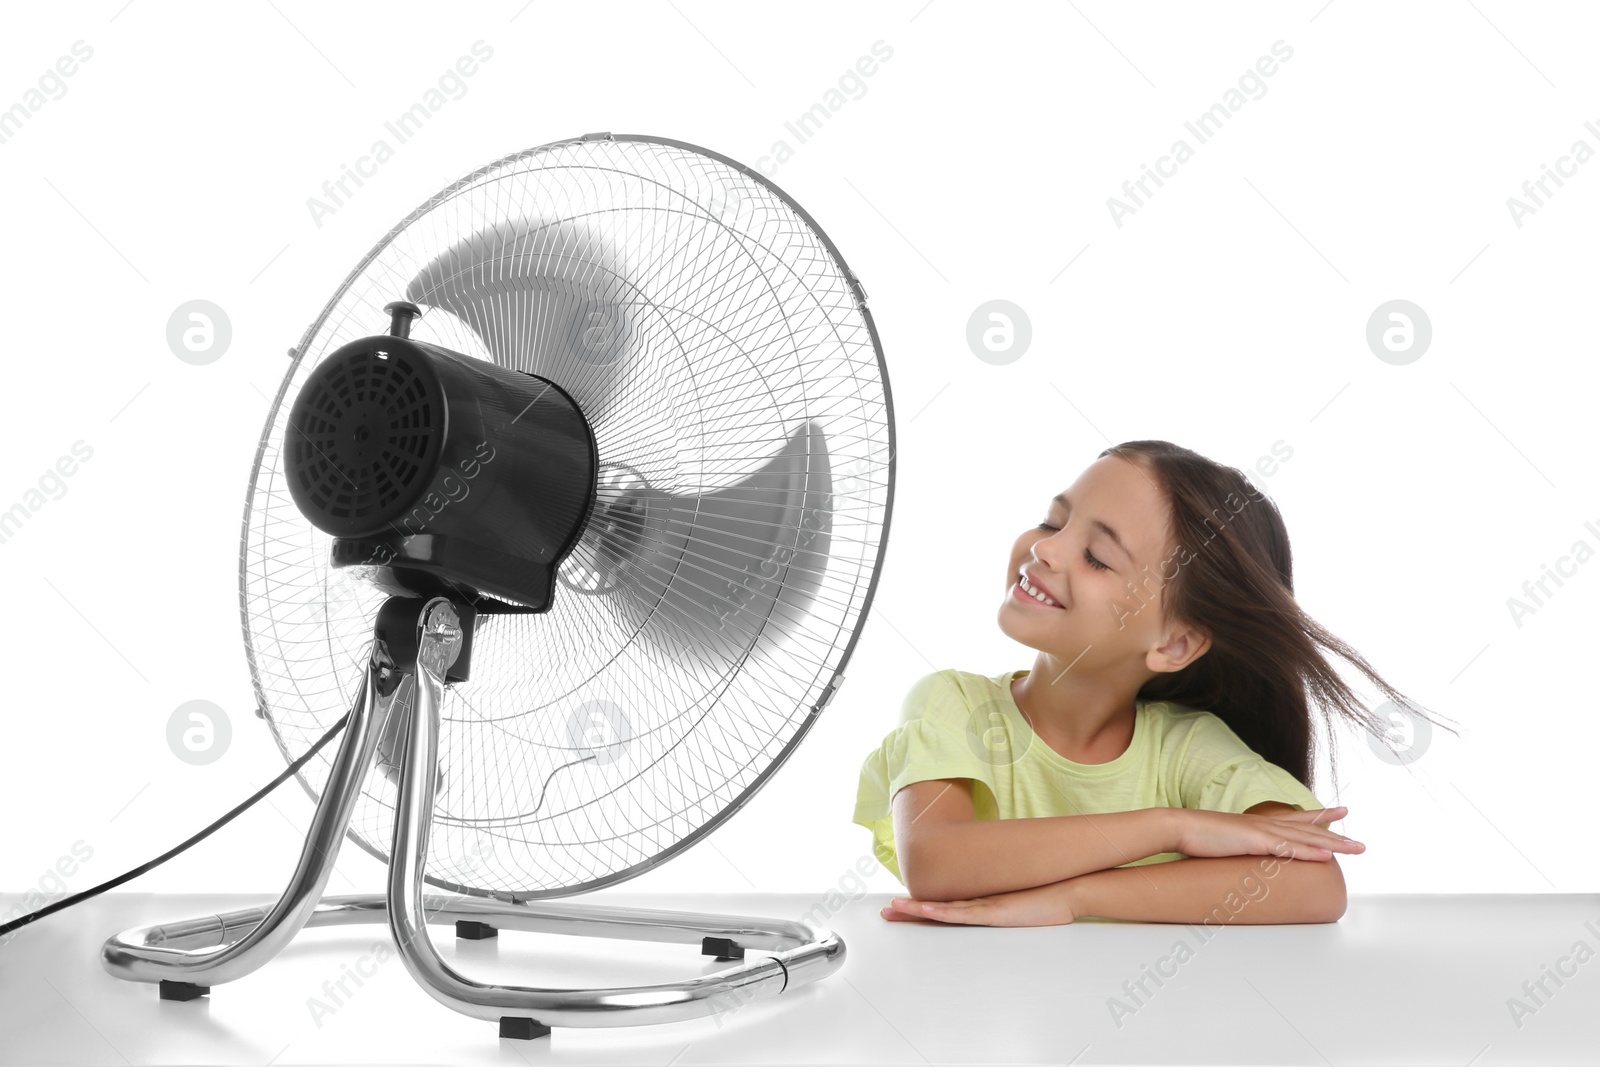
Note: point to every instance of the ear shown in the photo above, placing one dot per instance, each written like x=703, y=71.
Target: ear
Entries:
x=1183, y=645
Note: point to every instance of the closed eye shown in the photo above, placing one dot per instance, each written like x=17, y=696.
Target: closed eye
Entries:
x=1087, y=555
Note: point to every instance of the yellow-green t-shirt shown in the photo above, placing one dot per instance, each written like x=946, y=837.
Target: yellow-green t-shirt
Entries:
x=955, y=724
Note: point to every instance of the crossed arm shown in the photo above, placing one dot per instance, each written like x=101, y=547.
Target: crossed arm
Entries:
x=1047, y=871
x=1221, y=889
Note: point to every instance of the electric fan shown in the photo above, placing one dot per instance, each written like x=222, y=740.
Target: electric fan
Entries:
x=571, y=506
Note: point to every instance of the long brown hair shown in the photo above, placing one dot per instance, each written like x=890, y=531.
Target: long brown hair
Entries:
x=1235, y=579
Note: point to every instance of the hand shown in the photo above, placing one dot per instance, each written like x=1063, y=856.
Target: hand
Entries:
x=1292, y=835
x=1040, y=905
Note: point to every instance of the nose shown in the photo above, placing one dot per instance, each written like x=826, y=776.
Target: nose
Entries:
x=1044, y=563
x=1046, y=550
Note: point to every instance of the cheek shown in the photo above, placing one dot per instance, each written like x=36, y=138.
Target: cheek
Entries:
x=1137, y=619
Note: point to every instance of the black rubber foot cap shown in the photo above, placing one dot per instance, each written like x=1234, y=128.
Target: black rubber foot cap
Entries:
x=723, y=948
x=182, y=990
x=522, y=1029
x=475, y=931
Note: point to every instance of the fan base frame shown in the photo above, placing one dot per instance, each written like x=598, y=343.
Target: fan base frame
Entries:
x=189, y=957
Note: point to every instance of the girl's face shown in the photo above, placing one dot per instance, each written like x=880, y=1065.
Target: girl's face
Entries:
x=1098, y=555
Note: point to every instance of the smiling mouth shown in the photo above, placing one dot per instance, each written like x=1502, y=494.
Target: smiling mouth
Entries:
x=1021, y=591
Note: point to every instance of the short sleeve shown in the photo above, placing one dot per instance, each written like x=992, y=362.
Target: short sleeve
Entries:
x=1219, y=772
x=1244, y=783
x=930, y=742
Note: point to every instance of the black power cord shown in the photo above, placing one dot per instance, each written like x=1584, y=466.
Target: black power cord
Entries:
x=78, y=898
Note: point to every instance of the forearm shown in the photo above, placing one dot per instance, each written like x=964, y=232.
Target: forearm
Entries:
x=961, y=860
x=1223, y=890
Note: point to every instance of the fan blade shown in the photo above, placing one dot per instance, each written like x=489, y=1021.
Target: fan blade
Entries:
x=730, y=567
x=550, y=298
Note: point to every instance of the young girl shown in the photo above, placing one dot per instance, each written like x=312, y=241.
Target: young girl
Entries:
x=1155, y=762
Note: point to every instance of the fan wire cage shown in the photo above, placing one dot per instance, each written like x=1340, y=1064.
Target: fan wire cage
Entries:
x=703, y=324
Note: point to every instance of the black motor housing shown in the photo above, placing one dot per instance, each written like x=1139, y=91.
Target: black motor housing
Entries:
x=456, y=476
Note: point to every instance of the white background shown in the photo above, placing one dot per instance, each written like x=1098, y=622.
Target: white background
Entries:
x=1228, y=313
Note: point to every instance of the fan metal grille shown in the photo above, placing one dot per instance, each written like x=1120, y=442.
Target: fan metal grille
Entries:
x=699, y=319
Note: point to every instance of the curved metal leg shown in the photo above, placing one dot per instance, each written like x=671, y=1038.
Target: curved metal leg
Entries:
x=214, y=949
x=766, y=976
x=804, y=952
x=153, y=954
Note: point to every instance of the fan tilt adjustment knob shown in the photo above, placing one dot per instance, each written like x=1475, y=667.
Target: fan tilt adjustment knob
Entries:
x=401, y=312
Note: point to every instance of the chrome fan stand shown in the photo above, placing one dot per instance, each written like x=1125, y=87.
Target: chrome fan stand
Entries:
x=191, y=956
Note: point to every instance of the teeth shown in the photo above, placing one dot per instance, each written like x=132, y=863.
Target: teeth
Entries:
x=1036, y=594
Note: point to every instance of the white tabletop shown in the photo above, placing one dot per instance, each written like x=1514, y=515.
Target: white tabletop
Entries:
x=1400, y=979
